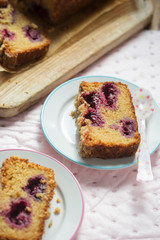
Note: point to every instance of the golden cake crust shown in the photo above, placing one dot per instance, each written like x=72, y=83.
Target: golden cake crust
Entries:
x=107, y=141
x=15, y=173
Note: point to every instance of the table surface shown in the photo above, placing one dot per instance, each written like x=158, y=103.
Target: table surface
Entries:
x=116, y=205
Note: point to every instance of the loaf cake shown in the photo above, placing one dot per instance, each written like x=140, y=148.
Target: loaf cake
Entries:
x=21, y=41
x=25, y=194
x=106, y=120
x=53, y=10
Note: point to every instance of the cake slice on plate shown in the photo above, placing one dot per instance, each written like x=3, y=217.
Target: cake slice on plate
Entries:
x=106, y=120
x=25, y=194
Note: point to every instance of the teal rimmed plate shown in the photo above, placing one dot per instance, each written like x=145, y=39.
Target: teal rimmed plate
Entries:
x=60, y=128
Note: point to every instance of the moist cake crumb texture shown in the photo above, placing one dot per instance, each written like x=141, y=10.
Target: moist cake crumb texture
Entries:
x=106, y=120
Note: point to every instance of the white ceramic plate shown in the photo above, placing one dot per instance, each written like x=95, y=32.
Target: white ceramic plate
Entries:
x=67, y=223
x=61, y=132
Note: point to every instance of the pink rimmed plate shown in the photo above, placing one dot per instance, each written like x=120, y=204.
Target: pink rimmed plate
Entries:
x=67, y=223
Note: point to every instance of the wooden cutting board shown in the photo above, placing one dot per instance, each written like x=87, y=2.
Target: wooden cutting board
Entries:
x=75, y=45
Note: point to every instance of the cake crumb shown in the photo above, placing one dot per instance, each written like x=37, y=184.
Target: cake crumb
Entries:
x=48, y=214
x=50, y=223
x=73, y=114
x=28, y=209
x=58, y=200
x=51, y=182
x=57, y=210
x=18, y=194
x=43, y=181
x=39, y=195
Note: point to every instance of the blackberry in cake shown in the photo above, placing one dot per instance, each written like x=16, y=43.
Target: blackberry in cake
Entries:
x=26, y=191
x=21, y=41
x=106, y=120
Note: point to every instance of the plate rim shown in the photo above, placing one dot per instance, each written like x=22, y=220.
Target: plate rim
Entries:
x=62, y=154
x=72, y=175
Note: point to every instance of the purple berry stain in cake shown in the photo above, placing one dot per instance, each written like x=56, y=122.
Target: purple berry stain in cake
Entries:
x=32, y=33
x=110, y=91
x=128, y=127
x=93, y=99
x=95, y=117
x=19, y=214
x=36, y=185
x=114, y=126
x=7, y=34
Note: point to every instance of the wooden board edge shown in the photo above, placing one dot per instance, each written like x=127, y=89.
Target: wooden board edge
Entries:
x=13, y=111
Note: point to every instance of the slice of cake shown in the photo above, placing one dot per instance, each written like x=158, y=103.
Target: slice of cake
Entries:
x=53, y=10
x=25, y=195
x=20, y=40
x=106, y=120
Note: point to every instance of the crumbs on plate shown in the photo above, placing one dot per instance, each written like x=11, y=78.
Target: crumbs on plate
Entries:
x=50, y=223
x=57, y=210
x=58, y=200
x=73, y=114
